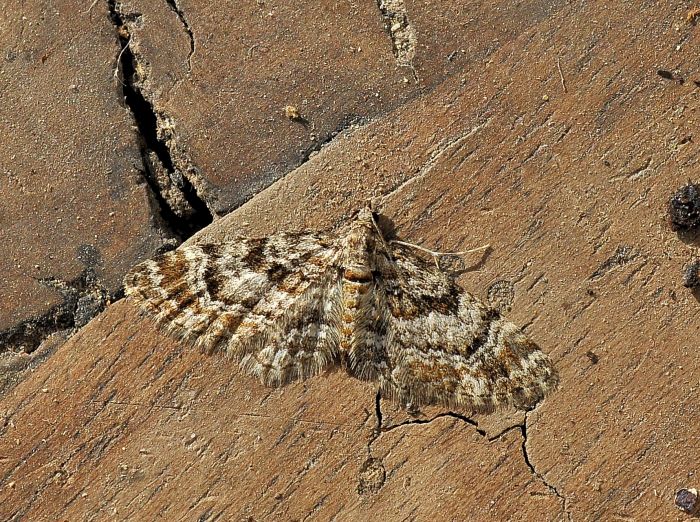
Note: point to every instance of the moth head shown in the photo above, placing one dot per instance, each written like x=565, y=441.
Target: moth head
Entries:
x=368, y=217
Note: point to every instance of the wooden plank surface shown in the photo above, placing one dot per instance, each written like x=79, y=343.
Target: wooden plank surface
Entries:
x=567, y=175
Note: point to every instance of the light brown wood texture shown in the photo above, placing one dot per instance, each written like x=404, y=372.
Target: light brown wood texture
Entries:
x=147, y=429
x=567, y=180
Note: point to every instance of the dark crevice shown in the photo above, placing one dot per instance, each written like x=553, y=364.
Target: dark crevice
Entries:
x=83, y=298
x=183, y=20
x=451, y=414
x=530, y=465
x=504, y=431
x=145, y=116
x=372, y=473
x=522, y=428
x=165, y=217
x=378, y=428
x=378, y=408
x=464, y=418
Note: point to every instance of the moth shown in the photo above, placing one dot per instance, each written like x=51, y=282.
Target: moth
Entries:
x=291, y=306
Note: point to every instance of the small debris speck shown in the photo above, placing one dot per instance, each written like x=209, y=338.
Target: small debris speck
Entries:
x=671, y=75
x=291, y=112
x=687, y=500
x=684, y=208
x=691, y=274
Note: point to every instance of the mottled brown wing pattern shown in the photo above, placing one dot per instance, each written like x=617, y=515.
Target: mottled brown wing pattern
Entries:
x=304, y=340
x=262, y=301
x=292, y=305
x=446, y=347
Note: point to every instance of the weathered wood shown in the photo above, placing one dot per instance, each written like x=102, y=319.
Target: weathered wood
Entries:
x=570, y=189
x=122, y=422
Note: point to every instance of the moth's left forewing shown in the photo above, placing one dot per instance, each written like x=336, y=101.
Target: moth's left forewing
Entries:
x=220, y=296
